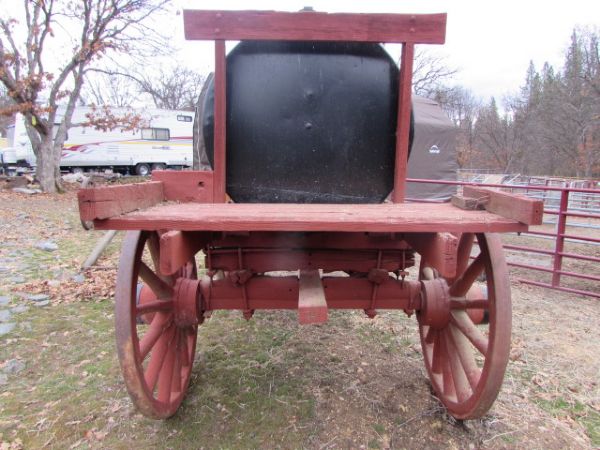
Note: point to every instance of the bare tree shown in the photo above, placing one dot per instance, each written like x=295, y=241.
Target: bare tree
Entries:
x=174, y=87
x=462, y=108
x=430, y=73
x=109, y=89
x=95, y=29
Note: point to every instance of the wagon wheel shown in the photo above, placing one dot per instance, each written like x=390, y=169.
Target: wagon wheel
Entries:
x=466, y=338
x=156, y=326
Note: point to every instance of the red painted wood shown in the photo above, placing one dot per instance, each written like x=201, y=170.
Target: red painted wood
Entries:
x=267, y=292
x=403, y=122
x=220, y=160
x=177, y=248
x=110, y=201
x=512, y=206
x=314, y=26
x=186, y=185
x=438, y=249
x=268, y=260
x=355, y=241
x=403, y=217
x=312, y=306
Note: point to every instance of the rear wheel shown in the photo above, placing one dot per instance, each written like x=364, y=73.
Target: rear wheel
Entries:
x=466, y=336
x=156, y=322
x=142, y=169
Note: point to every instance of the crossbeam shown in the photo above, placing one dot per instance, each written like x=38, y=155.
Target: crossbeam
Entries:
x=314, y=26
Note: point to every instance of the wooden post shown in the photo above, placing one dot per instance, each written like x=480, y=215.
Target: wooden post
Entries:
x=403, y=122
x=220, y=158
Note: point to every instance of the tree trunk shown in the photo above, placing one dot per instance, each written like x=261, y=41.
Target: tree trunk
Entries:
x=48, y=167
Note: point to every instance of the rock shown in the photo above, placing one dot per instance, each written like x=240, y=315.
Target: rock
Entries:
x=42, y=303
x=53, y=283
x=4, y=269
x=4, y=300
x=47, y=246
x=79, y=278
x=6, y=328
x=13, y=366
x=4, y=315
x=22, y=190
x=17, y=280
x=26, y=326
x=73, y=177
x=19, y=309
x=38, y=297
x=3, y=379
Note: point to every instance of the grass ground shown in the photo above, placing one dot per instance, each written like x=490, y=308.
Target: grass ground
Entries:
x=268, y=382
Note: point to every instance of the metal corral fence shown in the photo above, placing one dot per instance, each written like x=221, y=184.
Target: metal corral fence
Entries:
x=565, y=205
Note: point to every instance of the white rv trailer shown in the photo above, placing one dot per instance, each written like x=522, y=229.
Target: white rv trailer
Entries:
x=164, y=141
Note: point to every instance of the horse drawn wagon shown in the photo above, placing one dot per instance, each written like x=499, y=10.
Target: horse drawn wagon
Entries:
x=307, y=127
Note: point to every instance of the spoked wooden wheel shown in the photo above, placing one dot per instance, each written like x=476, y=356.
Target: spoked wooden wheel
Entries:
x=465, y=328
x=156, y=326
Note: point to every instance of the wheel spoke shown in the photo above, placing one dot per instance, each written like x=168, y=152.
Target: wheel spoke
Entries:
x=158, y=326
x=157, y=359
x=166, y=374
x=161, y=289
x=448, y=381
x=436, y=359
x=462, y=303
x=155, y=306
x=185, y=352
x=430, y=336
x=465, y=354
x=460, y=287
x=153, y=243
x=463, y=252
x=176, y=377
x=461, y=384
x=468, y=328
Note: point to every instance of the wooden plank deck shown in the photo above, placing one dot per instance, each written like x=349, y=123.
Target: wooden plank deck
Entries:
x=402, y=217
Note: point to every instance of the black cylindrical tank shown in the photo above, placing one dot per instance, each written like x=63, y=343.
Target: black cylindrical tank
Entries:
x=308, y=122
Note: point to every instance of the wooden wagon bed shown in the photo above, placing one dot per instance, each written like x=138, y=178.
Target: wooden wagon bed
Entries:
x=178, y=201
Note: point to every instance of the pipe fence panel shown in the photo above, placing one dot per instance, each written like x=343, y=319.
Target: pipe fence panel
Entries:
x=564, y=252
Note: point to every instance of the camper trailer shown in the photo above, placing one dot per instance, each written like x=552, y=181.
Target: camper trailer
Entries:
x=163, y=141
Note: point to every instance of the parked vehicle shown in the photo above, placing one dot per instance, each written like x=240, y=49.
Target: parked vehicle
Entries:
x=165, y=141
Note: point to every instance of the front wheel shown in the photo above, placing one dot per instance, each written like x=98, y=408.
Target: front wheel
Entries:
x=466, y=341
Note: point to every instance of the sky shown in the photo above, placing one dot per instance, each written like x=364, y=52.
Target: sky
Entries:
x=490, y=43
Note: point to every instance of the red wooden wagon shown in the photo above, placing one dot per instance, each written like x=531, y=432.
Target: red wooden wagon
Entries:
x=464, y=324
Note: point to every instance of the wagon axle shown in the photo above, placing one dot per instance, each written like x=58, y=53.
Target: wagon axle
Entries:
x=191, y=300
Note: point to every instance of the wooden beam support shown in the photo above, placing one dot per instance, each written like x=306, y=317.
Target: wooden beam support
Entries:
x=512, y=206
x=220, y=146
x=314, y=26
x=186, y=185
x=403, y=122
x=110, y=201
x=179, y=247
x=438, y=249
x=312, y=306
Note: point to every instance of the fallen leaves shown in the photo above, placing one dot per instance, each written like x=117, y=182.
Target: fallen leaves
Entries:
x=99, y=283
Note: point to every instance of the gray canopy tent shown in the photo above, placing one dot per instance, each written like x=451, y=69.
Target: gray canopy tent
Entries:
x=433, y=153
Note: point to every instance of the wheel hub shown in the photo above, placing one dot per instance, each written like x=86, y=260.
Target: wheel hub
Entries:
x=185, y=302
x=435, y=303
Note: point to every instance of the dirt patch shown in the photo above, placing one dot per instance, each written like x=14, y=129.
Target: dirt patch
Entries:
x=270, y=383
